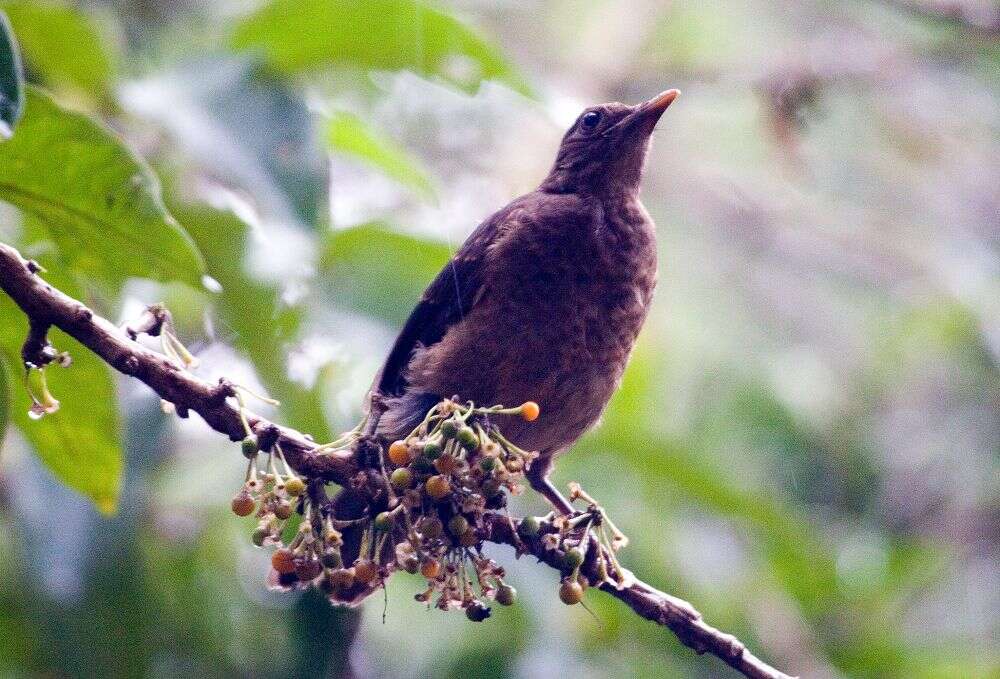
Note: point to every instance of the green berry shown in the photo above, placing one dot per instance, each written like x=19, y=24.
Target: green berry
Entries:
x=449, y=428
x=383, y=521
x=250, y=447
x=259, y=535
x=432, y=450
x=573, y=558
x=468, y=438
x=401, y=478
x=529, y=527
x=487, y=463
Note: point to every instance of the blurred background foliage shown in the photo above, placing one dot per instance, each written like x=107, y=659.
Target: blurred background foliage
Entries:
x=805, y=444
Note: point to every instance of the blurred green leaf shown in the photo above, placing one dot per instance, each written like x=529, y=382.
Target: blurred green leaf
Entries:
x=99, y=201
x=379, y=272
x=11, y=80
x=4, y=397
x=61, y=44
x=262, y=325
x=297, y=35
x=80, y=443
x=349, y=135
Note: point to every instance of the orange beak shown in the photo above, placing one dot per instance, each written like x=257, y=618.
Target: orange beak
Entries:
x=660, y=102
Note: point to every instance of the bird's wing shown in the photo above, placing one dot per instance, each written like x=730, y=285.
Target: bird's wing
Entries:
x=451, y=295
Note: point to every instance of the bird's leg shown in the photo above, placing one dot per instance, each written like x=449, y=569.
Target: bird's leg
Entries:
x=618, y=539
x=538, y=477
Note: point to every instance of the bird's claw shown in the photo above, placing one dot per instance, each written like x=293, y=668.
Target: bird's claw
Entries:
x=605, y=536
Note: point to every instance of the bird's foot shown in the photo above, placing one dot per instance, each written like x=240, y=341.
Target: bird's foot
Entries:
x=592, y=529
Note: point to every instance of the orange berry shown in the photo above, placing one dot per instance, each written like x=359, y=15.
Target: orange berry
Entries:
x=438, y=487
x=430, y=569
x=530, y=411
x=399, y=453
x=283, y=561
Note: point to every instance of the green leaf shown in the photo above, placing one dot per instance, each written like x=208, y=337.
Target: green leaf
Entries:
x=349, y=135
x=11, y=80
x=99, y=201
x=61, y=44
x=80, y=443
x=262, y=325
x=298, y=35
x=378, y=272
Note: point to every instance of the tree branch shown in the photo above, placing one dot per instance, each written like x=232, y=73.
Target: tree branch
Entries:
x=47, y=307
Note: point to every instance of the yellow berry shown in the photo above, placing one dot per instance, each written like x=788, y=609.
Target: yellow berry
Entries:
x=438, y=487
x=295, y=486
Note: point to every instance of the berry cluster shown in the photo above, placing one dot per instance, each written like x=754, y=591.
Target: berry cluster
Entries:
x=441, y=480
x=452, y=469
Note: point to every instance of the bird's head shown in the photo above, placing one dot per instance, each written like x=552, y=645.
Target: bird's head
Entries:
x=605, y=149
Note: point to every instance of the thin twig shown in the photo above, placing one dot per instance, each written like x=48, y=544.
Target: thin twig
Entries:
x=46, y=306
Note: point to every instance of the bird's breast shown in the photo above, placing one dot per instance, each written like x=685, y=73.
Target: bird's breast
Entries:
x=562, y=309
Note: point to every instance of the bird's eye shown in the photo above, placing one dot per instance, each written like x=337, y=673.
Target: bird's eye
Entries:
x=590, y=120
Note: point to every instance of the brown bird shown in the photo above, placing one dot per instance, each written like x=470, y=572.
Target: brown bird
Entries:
x=542, y=303
x=544, y=300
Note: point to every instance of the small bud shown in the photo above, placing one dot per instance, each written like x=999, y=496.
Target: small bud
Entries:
x=570, y=592
x=496, y=501
x=530, y=411
x=487, y=463
x=506, y=595
x=411, y=564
